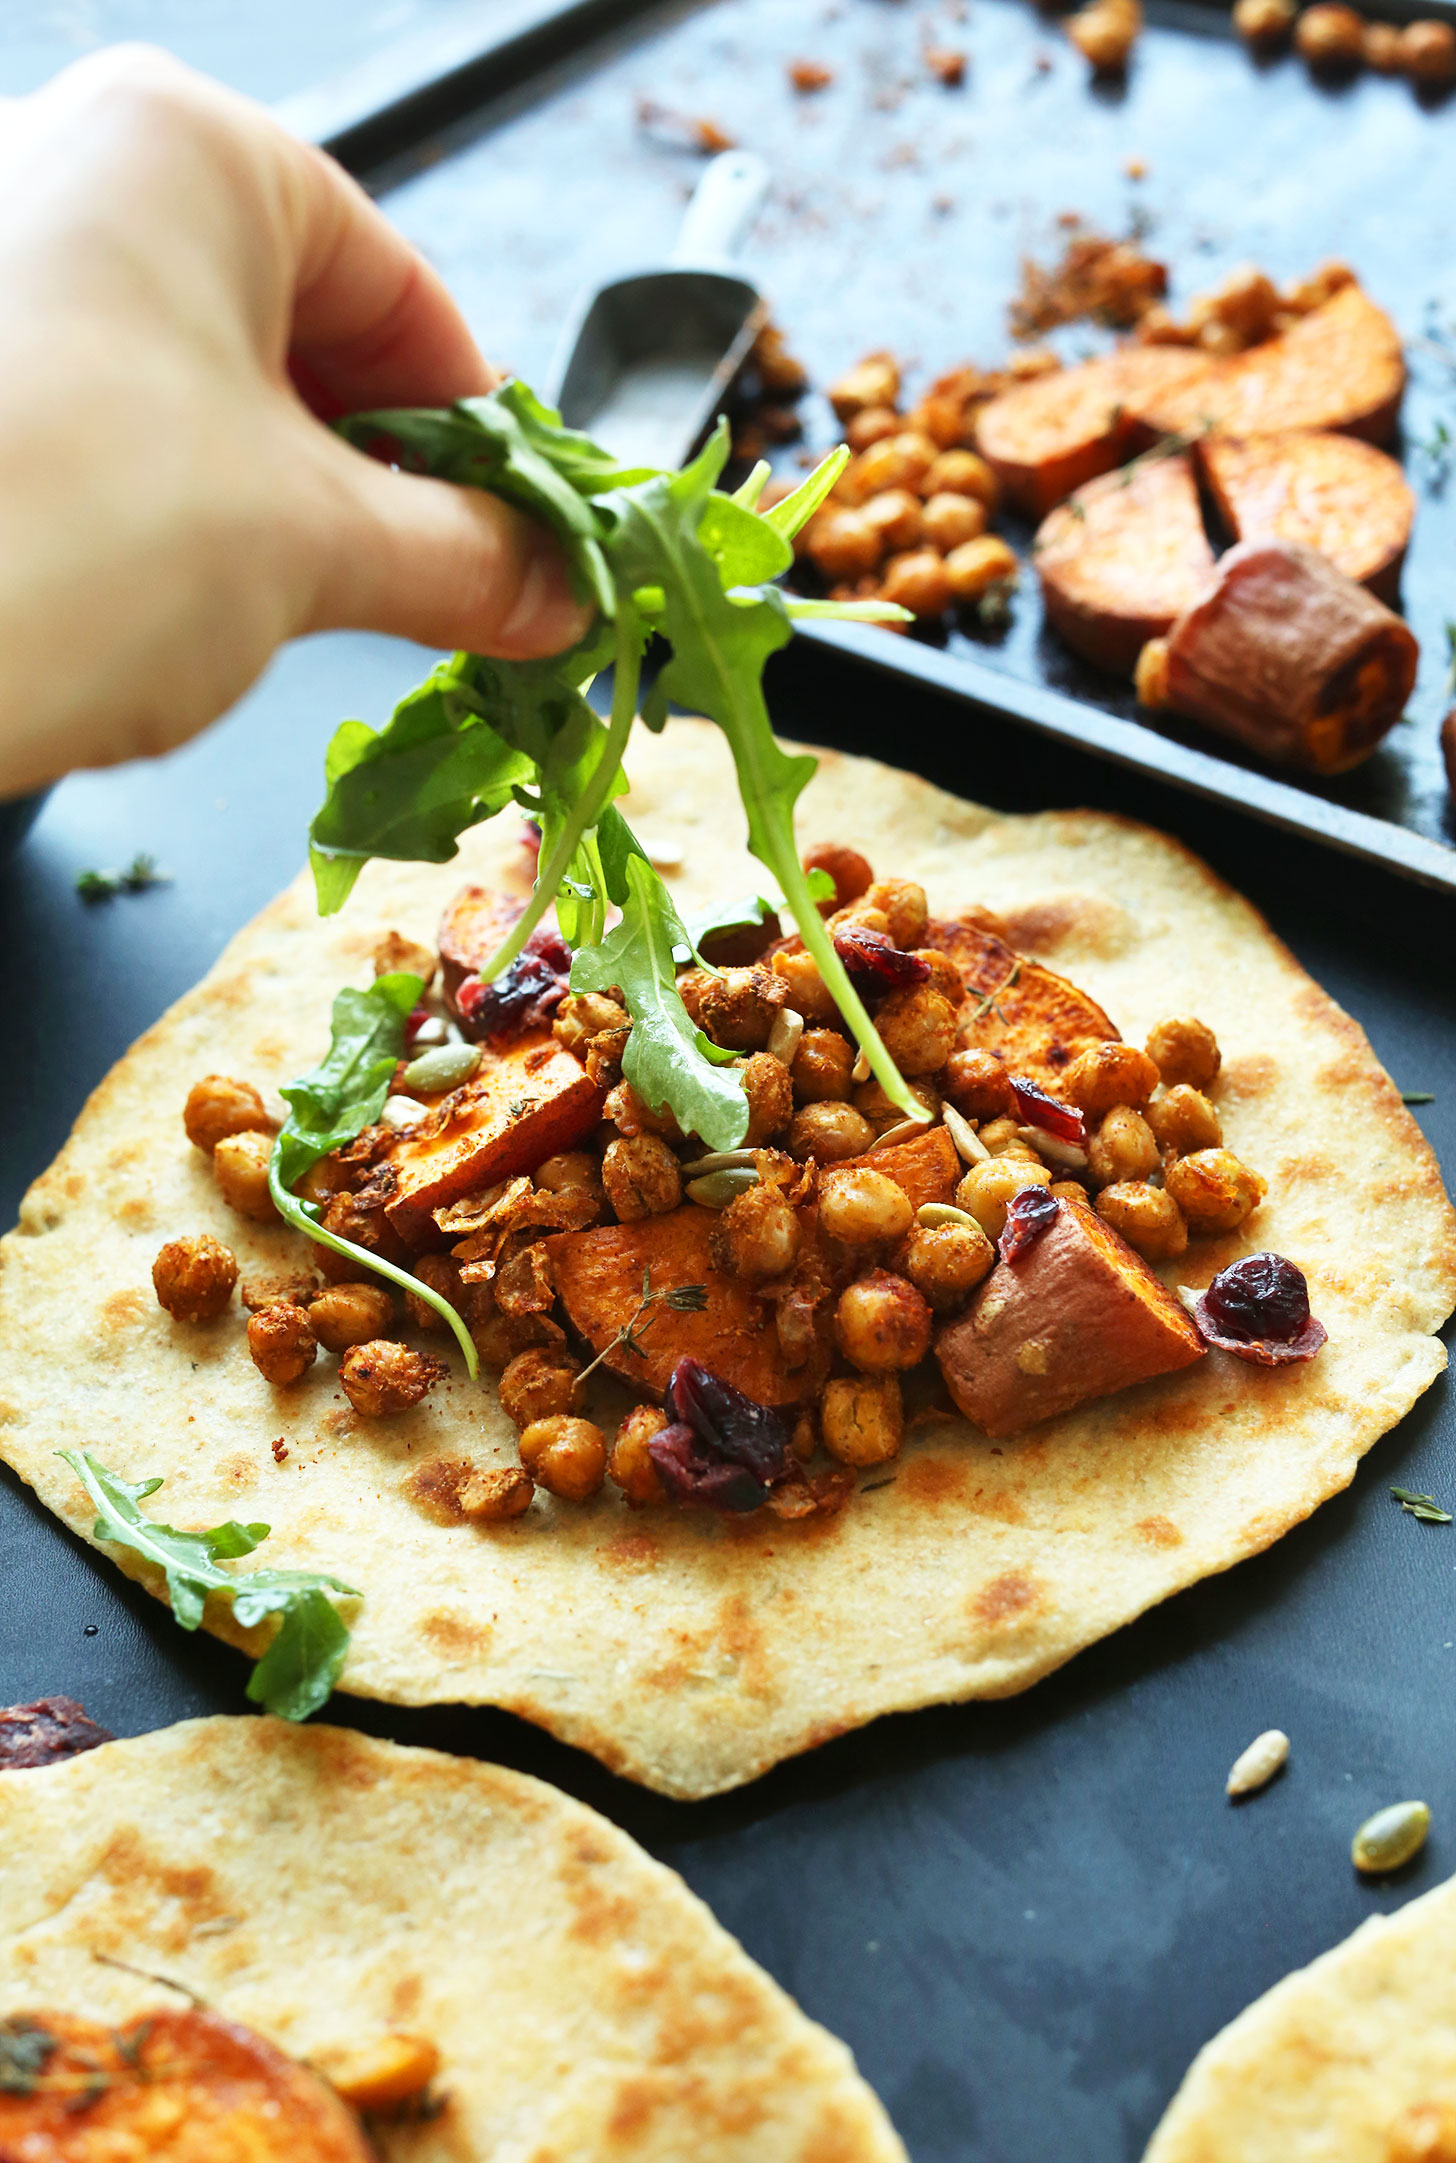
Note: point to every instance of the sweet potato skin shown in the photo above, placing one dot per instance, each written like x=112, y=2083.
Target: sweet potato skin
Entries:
x=599, y=1279
x=1122, y=559
x=1335, y=494
x=1033, y=1019
x=471, y=931
x=1339, y=367
x=1049, y=436
x=1291, y=658
x=555, y=1102
x=1078, y=1316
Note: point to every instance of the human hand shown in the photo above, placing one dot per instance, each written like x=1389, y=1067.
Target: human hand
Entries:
x=184, y=289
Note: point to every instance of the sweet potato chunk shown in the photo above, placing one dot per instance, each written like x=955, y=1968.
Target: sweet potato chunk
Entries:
x=927, y=1169
x=471, y=931
x=1032, y=1018
x=1050, y=435
x=183, y=2083
x=1122, y=558
x=1078, y=1315
x=1290, y=658
x=1339, y=367
x=599, y=1278
x=527, y=1102
x=1332, y=493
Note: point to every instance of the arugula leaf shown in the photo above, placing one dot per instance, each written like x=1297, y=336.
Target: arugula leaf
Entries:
x=344, y=1094
x=668, y=1059
x=299, y=1669
x=794, y=512
x=750, y=914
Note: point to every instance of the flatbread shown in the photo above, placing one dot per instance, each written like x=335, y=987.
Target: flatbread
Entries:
x=688, y=1652
x=1323, y=2066
x=326, y=1889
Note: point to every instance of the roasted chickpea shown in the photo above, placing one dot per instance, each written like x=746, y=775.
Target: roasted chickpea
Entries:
x=1184, y=1050
x=1246, y=304
x=1381, y=48
x=345, y=1314
x=757, y=1237
x=218, y=1106
x=829, y=1133
x=630, y=1466
x=1263, y=22
x=631, y=1115
x=1003, y=1137
x=917, y=581
x=573, y=1168
x=641, y=1177
x=770, y=1094
x=1105, y=34
x=900, y=461
x=194, y=1278
x=240, y=1162
x=1428, y=52
x=942, y=415
x=896, y=516
x=804, y=988
x=1214, y=1190
x=1148, y=1219
x=903, y=903
x=740, y=1007
x=323, y=1180
x=539, y=1384
x=966, y=474
x=976, y=566
x=1124, y=1147
x=1150, y=677
x=363, y=1223
x=1071, y=1190
x=872, y=382
x=293, y=1288
x=862, y=1207
x=862, y=1420
x=987, y=1188
x=382, y=1378
x=948, y=521
x=1109, y=1074
x=493, y=1496
x=978, y=1084
x=1184, y=1120
x=882, y=1323
x=396, y=955
x=1329, y=35
x=1321, y=285
x=442, y=1274
x=918, y=1026
x=946, y=1262
x=861, y=914
x=583, y=1015
x=842, y=543
x=945, y=976
x=882, y=1113
x=872, y=426
x=822, y=1067
x=1425, y=2133
x=282, y=1344
x=849, y=870
x=568, y=1457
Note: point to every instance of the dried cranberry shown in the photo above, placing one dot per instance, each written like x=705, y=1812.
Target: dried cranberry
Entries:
x=1258, y=1309
x=1028, y=1214
x=691, y=1472
x=414, y=1021
x=873, y=962
x=548, y=945
x=1037, y=1109
x=524, y=995
x=732, y=1425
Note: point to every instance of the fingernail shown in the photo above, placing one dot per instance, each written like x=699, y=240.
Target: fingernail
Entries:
x=546, y=617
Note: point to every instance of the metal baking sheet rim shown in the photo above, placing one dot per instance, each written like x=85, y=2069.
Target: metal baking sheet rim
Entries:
x=1128, y=743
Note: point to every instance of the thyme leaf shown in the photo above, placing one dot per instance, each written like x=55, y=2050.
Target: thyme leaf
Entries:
x=1423, y=1506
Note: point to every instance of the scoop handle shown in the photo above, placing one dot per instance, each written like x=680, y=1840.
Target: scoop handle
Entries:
x=725, y=203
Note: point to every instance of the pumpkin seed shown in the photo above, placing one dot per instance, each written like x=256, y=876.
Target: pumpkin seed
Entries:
x=1257, y=1765
x=403, y=1112
x=1390, y=1838
x=931, y=1214
x=969, y=1145
x=717, y=1189
x=721, y=1160
x=784, y=1036
x=446, y=1066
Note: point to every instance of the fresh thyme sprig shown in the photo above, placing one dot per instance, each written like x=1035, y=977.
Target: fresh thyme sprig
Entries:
x=680, y=1298
x=140, y=873
x=1423, y=1506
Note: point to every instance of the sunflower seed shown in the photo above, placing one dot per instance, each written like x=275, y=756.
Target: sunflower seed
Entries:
x=1257, y=1765
x=718, y=1189
x=906, y=1131
x=861, y=1069
x=1054, y=1149
x=783, y=1037
x=1390, y=1838
x=969, y=1145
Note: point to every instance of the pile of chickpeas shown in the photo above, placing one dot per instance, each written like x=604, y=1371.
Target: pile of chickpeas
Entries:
x=855, y=1279
x=907, y=520
x=1332, y=37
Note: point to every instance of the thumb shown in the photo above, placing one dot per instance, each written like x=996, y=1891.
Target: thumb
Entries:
x=443, y=565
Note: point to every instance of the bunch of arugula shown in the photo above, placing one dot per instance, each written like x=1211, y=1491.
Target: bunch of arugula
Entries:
x=664, y=555
x=300, y=1667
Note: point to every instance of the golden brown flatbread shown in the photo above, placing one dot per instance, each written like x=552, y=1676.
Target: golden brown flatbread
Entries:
x=689, y=1652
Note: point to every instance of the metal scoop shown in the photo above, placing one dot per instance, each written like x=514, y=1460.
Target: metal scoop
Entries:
x=645, y=366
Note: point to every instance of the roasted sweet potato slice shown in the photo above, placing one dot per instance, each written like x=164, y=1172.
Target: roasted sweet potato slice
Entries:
x=1122, y=558
x=599, y=1278
x=1078, y=1315
x=1050, y=435
x=1332, y=493
x=526, y=1102
x=1339, y=367
x=1289, y=657
x=471, y=931
x=927, y=1168
x=1029, y=1016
